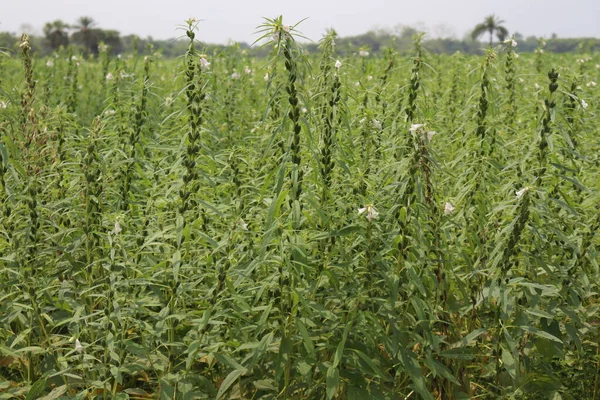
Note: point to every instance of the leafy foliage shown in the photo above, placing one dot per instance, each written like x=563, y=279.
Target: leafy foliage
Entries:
x=221, y=226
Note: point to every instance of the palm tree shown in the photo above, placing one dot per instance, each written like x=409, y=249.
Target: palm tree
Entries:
x=85, y=25
x=56, y=34
x=491, y=24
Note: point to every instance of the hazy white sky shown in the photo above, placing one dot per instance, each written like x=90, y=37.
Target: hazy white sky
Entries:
x=225, y=20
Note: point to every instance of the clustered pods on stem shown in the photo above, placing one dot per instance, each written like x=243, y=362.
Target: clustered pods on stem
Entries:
x=297, y=173
x=454, y=101
x=71, y=81
x=414, y=81
x=539, y=55
x=328, y=110
x=511, y=111
x=92, y=194
x=105, y=61
x=195, y=95
x=28, y=115
x=546, y=128
x=134, y=138
x=522, y=216
x=327, y=163
x=571, y=107
x=483, y=103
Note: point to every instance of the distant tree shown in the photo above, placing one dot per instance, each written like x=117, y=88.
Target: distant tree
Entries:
x=84, y=25
x=56, y=34
x=8, y=42
x=490, y=25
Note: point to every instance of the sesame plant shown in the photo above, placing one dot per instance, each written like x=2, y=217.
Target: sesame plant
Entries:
x=345, y=225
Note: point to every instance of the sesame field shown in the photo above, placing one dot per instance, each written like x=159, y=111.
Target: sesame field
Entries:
x=365, y=225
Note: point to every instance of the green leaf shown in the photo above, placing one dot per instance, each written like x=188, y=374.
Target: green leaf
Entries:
x=374, y=368
x=167, y=392
x=176, y=264
x=509, y=363
x=36, y=389
x=416, y=280
x=306, y=340
x=467, y=340
x=540, y=333
x=285, y=348
x=440, y=370
x=339, y=351
x=265, y=384
x=413, y=369
x=260, y=349
x=55, y=393
x=229, y=380
x=333, y=380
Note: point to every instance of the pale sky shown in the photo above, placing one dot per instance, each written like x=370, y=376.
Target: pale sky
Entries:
x=226, y=20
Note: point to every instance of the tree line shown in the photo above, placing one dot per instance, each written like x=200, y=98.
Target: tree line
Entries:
x=86, y=37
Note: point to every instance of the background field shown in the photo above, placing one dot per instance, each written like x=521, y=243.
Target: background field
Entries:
x=299, y=227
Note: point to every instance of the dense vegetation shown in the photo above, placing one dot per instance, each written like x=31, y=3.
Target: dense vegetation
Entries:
x=86, y=36
x=304, y=226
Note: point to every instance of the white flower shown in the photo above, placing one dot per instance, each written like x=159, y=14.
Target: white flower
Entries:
x=430, y=135
x=204, y=64
x=78, y=346
x=109, y=112
x=286, y=28
x=102, y=47
x=247, y=70
x=370, y=210
x=3, y=104
x=369, y=77
x=357, y=84
x=597, y=66
x=109, y=76
x=74, y=58
x=521, y=192
x=591, y=84
x=521, y=80
x=117, y=229
x=537, y=87
x=363, y=53
x=168, y=101
x=415, y=127
x=49, y=63
x=581, y=61
x=584, y=104
x=338, y=64
x=448, y=208
x=304, y=110
x=516, y=55
x=266, y=77
x=376, y=123
x=235, y=75
x=243, y=225
x=511, y=42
